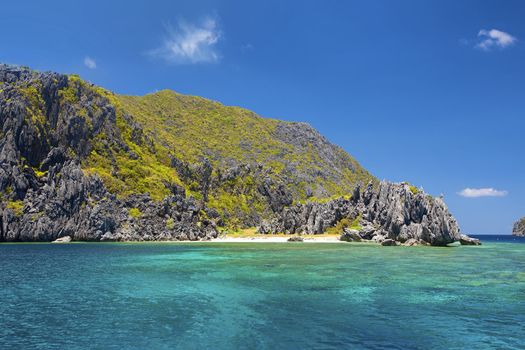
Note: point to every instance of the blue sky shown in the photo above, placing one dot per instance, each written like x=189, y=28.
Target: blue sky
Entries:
x=430, y=92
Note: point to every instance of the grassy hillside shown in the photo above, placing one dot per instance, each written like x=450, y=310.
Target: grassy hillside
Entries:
x=194, y=128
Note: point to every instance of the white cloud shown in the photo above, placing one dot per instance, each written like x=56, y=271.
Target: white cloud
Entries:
x=90, y=63
x=190, y=43
x=489, y=39
x=482, y=192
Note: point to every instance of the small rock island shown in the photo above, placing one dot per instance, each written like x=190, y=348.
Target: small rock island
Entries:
x=519, y=228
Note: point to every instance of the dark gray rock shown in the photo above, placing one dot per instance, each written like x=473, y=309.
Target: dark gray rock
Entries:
x=295, y=239
x=389, y=242
x=63, y=201
x=367, y=231
x=519, y=227
x=350, y=235
x=301, y=137
x=466, y=240
x=264, y=187
x=389, y=211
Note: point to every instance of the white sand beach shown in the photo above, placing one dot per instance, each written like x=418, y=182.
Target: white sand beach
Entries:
x=276, y=239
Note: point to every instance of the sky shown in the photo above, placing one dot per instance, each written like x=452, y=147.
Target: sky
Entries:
x=429, y=92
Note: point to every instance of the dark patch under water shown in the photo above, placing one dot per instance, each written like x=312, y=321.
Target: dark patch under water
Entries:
x=262, y=296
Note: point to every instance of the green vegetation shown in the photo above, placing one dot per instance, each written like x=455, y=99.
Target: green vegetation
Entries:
x=139, y=169
x=344, y=223
x=237, y=198
x=36, y=104
x=16, y=206
x=243, y=233
x=70, y=94
x=193, y=128
x=414, y=189
x=40, y=173
x=126, y=176
x=170, y=224
x=135, y=213
x=135, y=157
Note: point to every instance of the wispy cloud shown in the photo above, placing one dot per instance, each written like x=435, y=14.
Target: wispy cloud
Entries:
x=482, y=192
x=90, y=63
x=187, y=43
x=489, y=39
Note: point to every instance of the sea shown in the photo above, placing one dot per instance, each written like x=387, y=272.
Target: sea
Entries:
x=262, y=296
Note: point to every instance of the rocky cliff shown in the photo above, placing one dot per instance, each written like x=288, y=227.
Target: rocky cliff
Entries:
x=519, y=227
x=50, y=123
x=389, y=213
x=77, y=160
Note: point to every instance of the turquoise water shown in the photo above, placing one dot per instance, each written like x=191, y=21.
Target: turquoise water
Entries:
x=261, y=296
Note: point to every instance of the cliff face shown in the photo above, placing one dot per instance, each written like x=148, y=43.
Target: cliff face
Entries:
x=77, y=160
x=519, y=227
x=50, y=124
x=396, y=212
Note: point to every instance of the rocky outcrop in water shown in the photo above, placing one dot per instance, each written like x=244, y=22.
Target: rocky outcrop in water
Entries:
x=65, y=239
x=466, y=240
x=350, y=235
x=397, y=212
x=519, y=228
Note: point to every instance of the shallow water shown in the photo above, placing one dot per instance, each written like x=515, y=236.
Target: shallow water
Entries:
x=261, y=296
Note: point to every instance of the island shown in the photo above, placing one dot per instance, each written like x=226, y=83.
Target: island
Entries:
x=81, y=163
x=519, y=228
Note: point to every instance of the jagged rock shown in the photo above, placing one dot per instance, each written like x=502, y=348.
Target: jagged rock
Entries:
x=63, y=201
x=411, y=242
x=389, y=211
x=263, y=186
x=378, y=238
x=65, y=239
x=519, y=227
x=466, y=240
x=47, y=191
x=367, y=231
x=295, y=239
x=350, y=235
x=389, y=242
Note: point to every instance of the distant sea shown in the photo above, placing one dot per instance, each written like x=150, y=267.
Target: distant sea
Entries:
x=500, y=238
x=262, y=296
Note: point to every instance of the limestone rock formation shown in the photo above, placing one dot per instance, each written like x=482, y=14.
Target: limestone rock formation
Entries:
x=65, y=239
x=350, y=235
x=519, y=227
x=391, y=211
x=466, y=240
x=77, y=160
x=49, y=126
x=389, y=242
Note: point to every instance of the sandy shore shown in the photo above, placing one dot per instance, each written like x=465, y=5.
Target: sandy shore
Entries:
x=276, y=239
